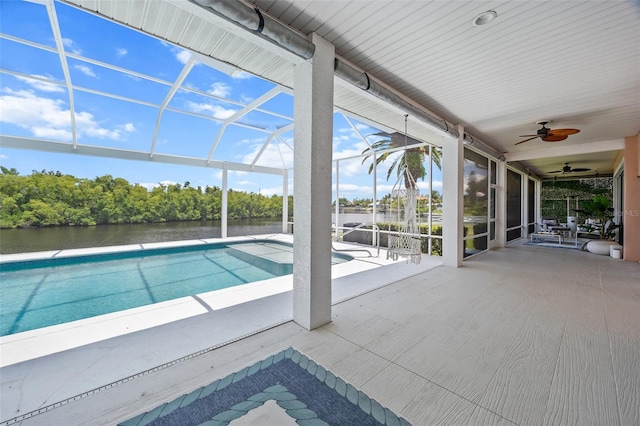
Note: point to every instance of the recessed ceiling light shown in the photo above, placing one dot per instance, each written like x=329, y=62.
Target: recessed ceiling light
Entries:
x=485, y=17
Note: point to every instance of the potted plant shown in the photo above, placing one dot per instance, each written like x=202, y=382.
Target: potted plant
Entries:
x=601, y=222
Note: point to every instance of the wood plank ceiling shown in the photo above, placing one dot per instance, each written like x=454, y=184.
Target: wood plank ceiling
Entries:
x=574, y=62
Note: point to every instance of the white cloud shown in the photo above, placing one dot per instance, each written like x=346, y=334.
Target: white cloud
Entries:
x=270, y=157
x=220, y=89
x=41, y=85
x=133, y=77
x=167, y=183
x=352, y=167
x=352, y=188
x=51, y=133
x=268, y=192
x=84, y=69
x=149, y=186
x=49, y=118
x=182, y=55
x=423, y=186
x=241, y=75
x=216, y=111
x=384, y=189
x=67, y=42
x=3, y=156
x=120, y=52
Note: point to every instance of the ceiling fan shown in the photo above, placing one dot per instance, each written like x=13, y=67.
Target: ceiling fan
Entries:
x=567, y=169
x=549, y=135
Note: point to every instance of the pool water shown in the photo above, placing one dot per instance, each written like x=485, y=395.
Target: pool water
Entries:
x=42, y=293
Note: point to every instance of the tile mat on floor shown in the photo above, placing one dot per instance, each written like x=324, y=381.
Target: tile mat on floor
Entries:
x=306, y=391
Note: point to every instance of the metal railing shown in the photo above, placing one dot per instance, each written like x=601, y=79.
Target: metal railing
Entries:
x=376, y=235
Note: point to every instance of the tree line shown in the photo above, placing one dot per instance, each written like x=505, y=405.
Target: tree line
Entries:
x=48, y=198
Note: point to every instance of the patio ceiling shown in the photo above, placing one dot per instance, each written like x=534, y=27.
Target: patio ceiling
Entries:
x=575, y=63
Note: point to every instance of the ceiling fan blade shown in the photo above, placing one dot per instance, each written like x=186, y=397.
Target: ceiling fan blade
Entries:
x=556, y=171
x=554, y=138
x=526, y=140
x=580, y=169
x=526, y=136
x=563, y=132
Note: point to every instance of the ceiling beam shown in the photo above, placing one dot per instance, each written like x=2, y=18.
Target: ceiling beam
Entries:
x=271, y=136
x=355, y=129
x=57, y=36
x=124, y=154
x=563, y=151
x=191, y=62
x=241, y=113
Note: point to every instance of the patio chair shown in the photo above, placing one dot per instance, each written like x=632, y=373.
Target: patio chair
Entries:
x=547, y=222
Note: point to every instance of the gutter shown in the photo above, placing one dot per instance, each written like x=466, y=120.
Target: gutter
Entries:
x=274, y=31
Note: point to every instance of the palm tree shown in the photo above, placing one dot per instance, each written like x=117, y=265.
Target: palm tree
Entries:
x=412, y=160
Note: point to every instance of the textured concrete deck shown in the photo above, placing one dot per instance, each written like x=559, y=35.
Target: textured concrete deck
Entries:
x=523, y=335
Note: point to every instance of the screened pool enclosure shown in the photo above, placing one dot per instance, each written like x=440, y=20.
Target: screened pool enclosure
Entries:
x=81, y=94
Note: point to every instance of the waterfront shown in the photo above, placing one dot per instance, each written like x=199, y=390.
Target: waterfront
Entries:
x=67, y=237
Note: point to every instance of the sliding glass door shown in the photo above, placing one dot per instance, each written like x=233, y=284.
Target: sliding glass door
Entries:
x=514, y=205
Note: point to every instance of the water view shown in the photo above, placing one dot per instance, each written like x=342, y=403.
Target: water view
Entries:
x=67, y=237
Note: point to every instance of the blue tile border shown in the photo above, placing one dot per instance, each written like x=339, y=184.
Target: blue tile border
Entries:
x=307, y=392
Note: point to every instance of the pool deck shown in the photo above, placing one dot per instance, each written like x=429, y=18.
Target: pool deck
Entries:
x=523, y=335
x=49, y=366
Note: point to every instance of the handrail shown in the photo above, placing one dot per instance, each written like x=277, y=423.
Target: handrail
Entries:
x=375, y=229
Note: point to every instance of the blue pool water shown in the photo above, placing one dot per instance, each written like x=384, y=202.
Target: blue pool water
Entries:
x=41, y=293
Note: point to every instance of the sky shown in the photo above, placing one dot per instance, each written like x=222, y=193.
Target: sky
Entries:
x=35, y=103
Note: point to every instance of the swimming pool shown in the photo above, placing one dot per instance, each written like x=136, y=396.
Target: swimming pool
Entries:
x=41, y=293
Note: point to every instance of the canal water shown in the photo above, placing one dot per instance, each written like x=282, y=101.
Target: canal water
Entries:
x=67, y=237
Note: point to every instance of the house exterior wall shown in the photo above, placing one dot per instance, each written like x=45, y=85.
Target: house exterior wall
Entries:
x=631, y=207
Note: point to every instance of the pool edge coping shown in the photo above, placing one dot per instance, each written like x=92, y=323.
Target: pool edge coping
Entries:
x=14, y=347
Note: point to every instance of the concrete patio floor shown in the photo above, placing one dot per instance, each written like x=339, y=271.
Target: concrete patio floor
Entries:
x=522, y=335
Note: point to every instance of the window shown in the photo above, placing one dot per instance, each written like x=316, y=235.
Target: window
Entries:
x=514, y=205
x=476, y=202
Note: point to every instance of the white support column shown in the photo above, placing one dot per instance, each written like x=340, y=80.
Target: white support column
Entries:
x=453, y=200
x=313, y=135
x=525, y=206
x=285, y=201
x=374, y=210
x=337, y=211
x=501, y=204
x=223, y=212
x=430, y=207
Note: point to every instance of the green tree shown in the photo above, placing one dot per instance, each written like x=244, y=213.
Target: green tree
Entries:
x=411, y=160
x=47, y=198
